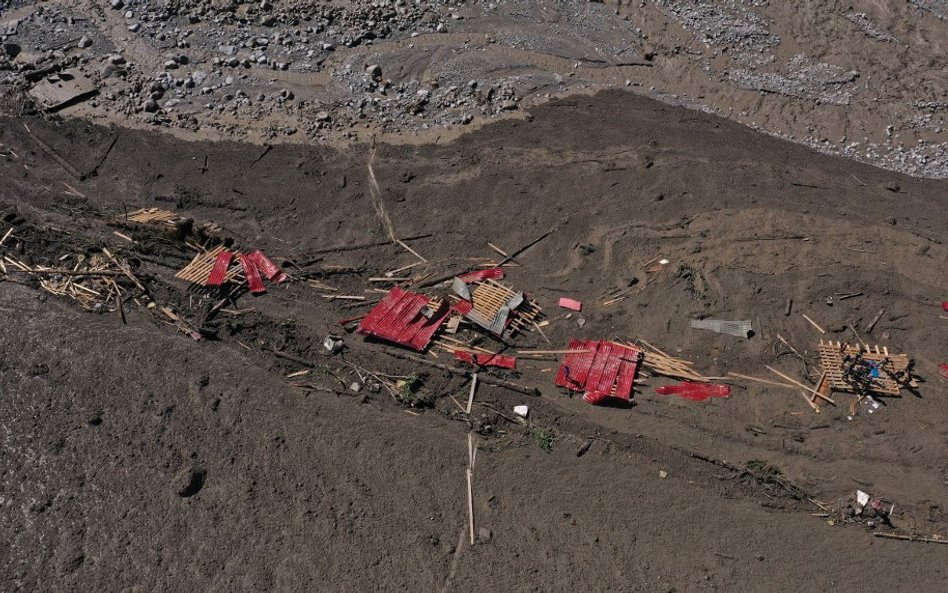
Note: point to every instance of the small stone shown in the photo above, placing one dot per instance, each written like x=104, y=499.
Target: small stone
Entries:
x=84, y=42
x=11, y=50
x=508, y=105
x=134, y=27
x=484, y=535
x=116, y=59
x=117, y=4
x=198, y=77
x=662, y=474
x=188, y=482
x=150, y=106
x=355, y=387
x=323, y=116
x=375, y=71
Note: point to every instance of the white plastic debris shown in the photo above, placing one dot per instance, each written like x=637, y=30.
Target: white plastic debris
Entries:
x=862, y=498
x=521, y=411
x=333, y=344
x=664, y=262
x=741, y=329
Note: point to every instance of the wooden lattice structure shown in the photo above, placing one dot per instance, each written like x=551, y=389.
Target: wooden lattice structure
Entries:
x=199, y=269
x=489, y=296
x=888, y=366
x=156, y=216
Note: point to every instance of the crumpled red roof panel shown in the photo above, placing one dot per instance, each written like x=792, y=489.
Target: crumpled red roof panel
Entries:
x=601, y=369
x=398, y=318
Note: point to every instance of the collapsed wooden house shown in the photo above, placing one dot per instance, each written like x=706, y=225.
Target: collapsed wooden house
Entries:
x=864, y=370
x=495, y=307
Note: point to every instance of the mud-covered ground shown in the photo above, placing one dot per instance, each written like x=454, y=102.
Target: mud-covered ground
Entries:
x=864, y=79
x=136, y=459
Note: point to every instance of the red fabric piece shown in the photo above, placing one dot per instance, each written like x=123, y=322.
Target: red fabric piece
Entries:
x=486, y=360
x=252, y=274
x=698, y=392
x=478, y=275
x=944, y=305
x=572, y=305
x=398, y=318
x=219, y=271
x=270, y=270
x=604, y=370
x=943, y=370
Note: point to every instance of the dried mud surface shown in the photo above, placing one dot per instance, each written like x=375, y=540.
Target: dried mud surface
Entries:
x=135, y=459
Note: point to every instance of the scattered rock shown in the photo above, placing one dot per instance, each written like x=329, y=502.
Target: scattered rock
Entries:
x=11, y=50
x=189, y=482
x=484, y=535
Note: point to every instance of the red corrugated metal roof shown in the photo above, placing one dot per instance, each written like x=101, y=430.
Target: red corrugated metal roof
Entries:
x=398, y=318
x=252, y=274
x=219, y=271
x=486, y=360
x=478, y=275
x=601, y=369
x=269, y=269
x=695, y=391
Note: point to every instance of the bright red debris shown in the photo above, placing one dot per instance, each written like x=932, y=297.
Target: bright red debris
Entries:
x=398, y=318
x=944, y=305
x=486, y=360
x=269, y=269
x=695, y=391
x=478, y=275
x=943, y=370
x=463, y=307
x=604, y=370
x=571, y=304
x=252, y=274
x=221, y=264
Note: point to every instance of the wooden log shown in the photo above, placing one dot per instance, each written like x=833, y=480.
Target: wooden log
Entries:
x=814, y=324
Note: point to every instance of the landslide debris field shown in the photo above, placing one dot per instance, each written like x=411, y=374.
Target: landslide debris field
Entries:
x=158, y=435
x=864, y=79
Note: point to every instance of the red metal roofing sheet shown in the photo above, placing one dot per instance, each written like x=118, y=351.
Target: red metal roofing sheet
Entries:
x=254, y=281
x=626, y=379
x=221, y=264
x=486, y=360
x=463, y=307
x=601, y=369
x=269, y=269
x=695, y=391
x=398, y=318
x=576, y=365
x=477, y=275
x=571, y=304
